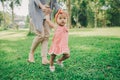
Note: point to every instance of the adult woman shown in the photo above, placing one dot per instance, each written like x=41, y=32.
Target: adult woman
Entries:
x=37, y=11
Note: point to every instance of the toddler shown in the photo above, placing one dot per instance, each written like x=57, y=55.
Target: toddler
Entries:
x=60, y=39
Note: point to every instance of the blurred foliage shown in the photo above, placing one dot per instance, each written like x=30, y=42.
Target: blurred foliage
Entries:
x=107, y=13
x=84, y=13
x=7, y=21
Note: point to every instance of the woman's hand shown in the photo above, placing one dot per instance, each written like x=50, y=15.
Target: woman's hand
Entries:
x=46, y=9
x=50, y=23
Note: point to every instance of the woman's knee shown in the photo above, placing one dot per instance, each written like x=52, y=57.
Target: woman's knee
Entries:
x=46, y=38
x=39, y=38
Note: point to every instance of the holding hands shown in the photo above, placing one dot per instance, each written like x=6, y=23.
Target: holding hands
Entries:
x=47, y=17
x=46, y=9
x=50, y=23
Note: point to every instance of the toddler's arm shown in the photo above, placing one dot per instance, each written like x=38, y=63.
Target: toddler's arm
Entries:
x=50, y=23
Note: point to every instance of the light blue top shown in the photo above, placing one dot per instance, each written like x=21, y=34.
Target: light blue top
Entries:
x=36, y=14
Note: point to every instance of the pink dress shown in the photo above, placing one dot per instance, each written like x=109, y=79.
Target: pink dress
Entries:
x=60, y=41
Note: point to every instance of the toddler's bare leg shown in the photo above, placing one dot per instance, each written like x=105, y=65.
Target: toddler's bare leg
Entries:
x=64, y=57
x=52, y=58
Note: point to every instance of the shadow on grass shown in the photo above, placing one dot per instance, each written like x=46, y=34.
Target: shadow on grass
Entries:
x=92, y=58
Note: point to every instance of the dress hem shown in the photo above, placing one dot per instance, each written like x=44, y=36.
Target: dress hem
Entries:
x=59, y=53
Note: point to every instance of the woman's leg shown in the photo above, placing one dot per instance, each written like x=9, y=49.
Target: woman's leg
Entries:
x=35, y=43
x=39, y=38
x=44, y=44
x=44, y=51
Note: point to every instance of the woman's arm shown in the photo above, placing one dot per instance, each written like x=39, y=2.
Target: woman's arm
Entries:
x=44, y=8
x=39, y=4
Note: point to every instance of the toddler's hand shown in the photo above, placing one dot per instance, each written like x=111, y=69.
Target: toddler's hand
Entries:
x=47, y=10
x=47, y=17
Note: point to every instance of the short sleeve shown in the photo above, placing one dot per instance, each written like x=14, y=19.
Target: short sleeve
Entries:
x=37, y=2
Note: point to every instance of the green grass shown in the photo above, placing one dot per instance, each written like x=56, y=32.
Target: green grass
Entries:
x=92, y=58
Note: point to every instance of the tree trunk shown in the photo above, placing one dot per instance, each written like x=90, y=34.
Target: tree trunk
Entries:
x=95, y=19
x=31, y=27
x=4, y=22
x=12, y=16
x=12, y=13
x=15, y=26
x=104, y=22
x=69, y=13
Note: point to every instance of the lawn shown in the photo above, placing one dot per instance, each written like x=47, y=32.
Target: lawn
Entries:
x=95, y=55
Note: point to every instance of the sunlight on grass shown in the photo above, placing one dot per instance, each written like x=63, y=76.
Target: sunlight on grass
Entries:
x=8, y=49
x=115, y=32
x=86, y=47
x=8, y=35
x=93, y=57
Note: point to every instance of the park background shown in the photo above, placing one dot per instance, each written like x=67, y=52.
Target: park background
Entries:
x=94, y=41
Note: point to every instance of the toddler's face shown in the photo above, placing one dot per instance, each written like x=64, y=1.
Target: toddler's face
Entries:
x=62, y=19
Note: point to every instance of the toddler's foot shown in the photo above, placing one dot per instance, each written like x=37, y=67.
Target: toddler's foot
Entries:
x=45, y=61
x=60, y=63
x=52, y=68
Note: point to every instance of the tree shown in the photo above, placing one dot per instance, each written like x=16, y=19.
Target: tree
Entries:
x=76, y=10
x=14, y=3
x=4, y=22
x=1, y=17
x=113, y=13
x=98, y=8
x=79, y=13
x=69, y=12
x=28, y=23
